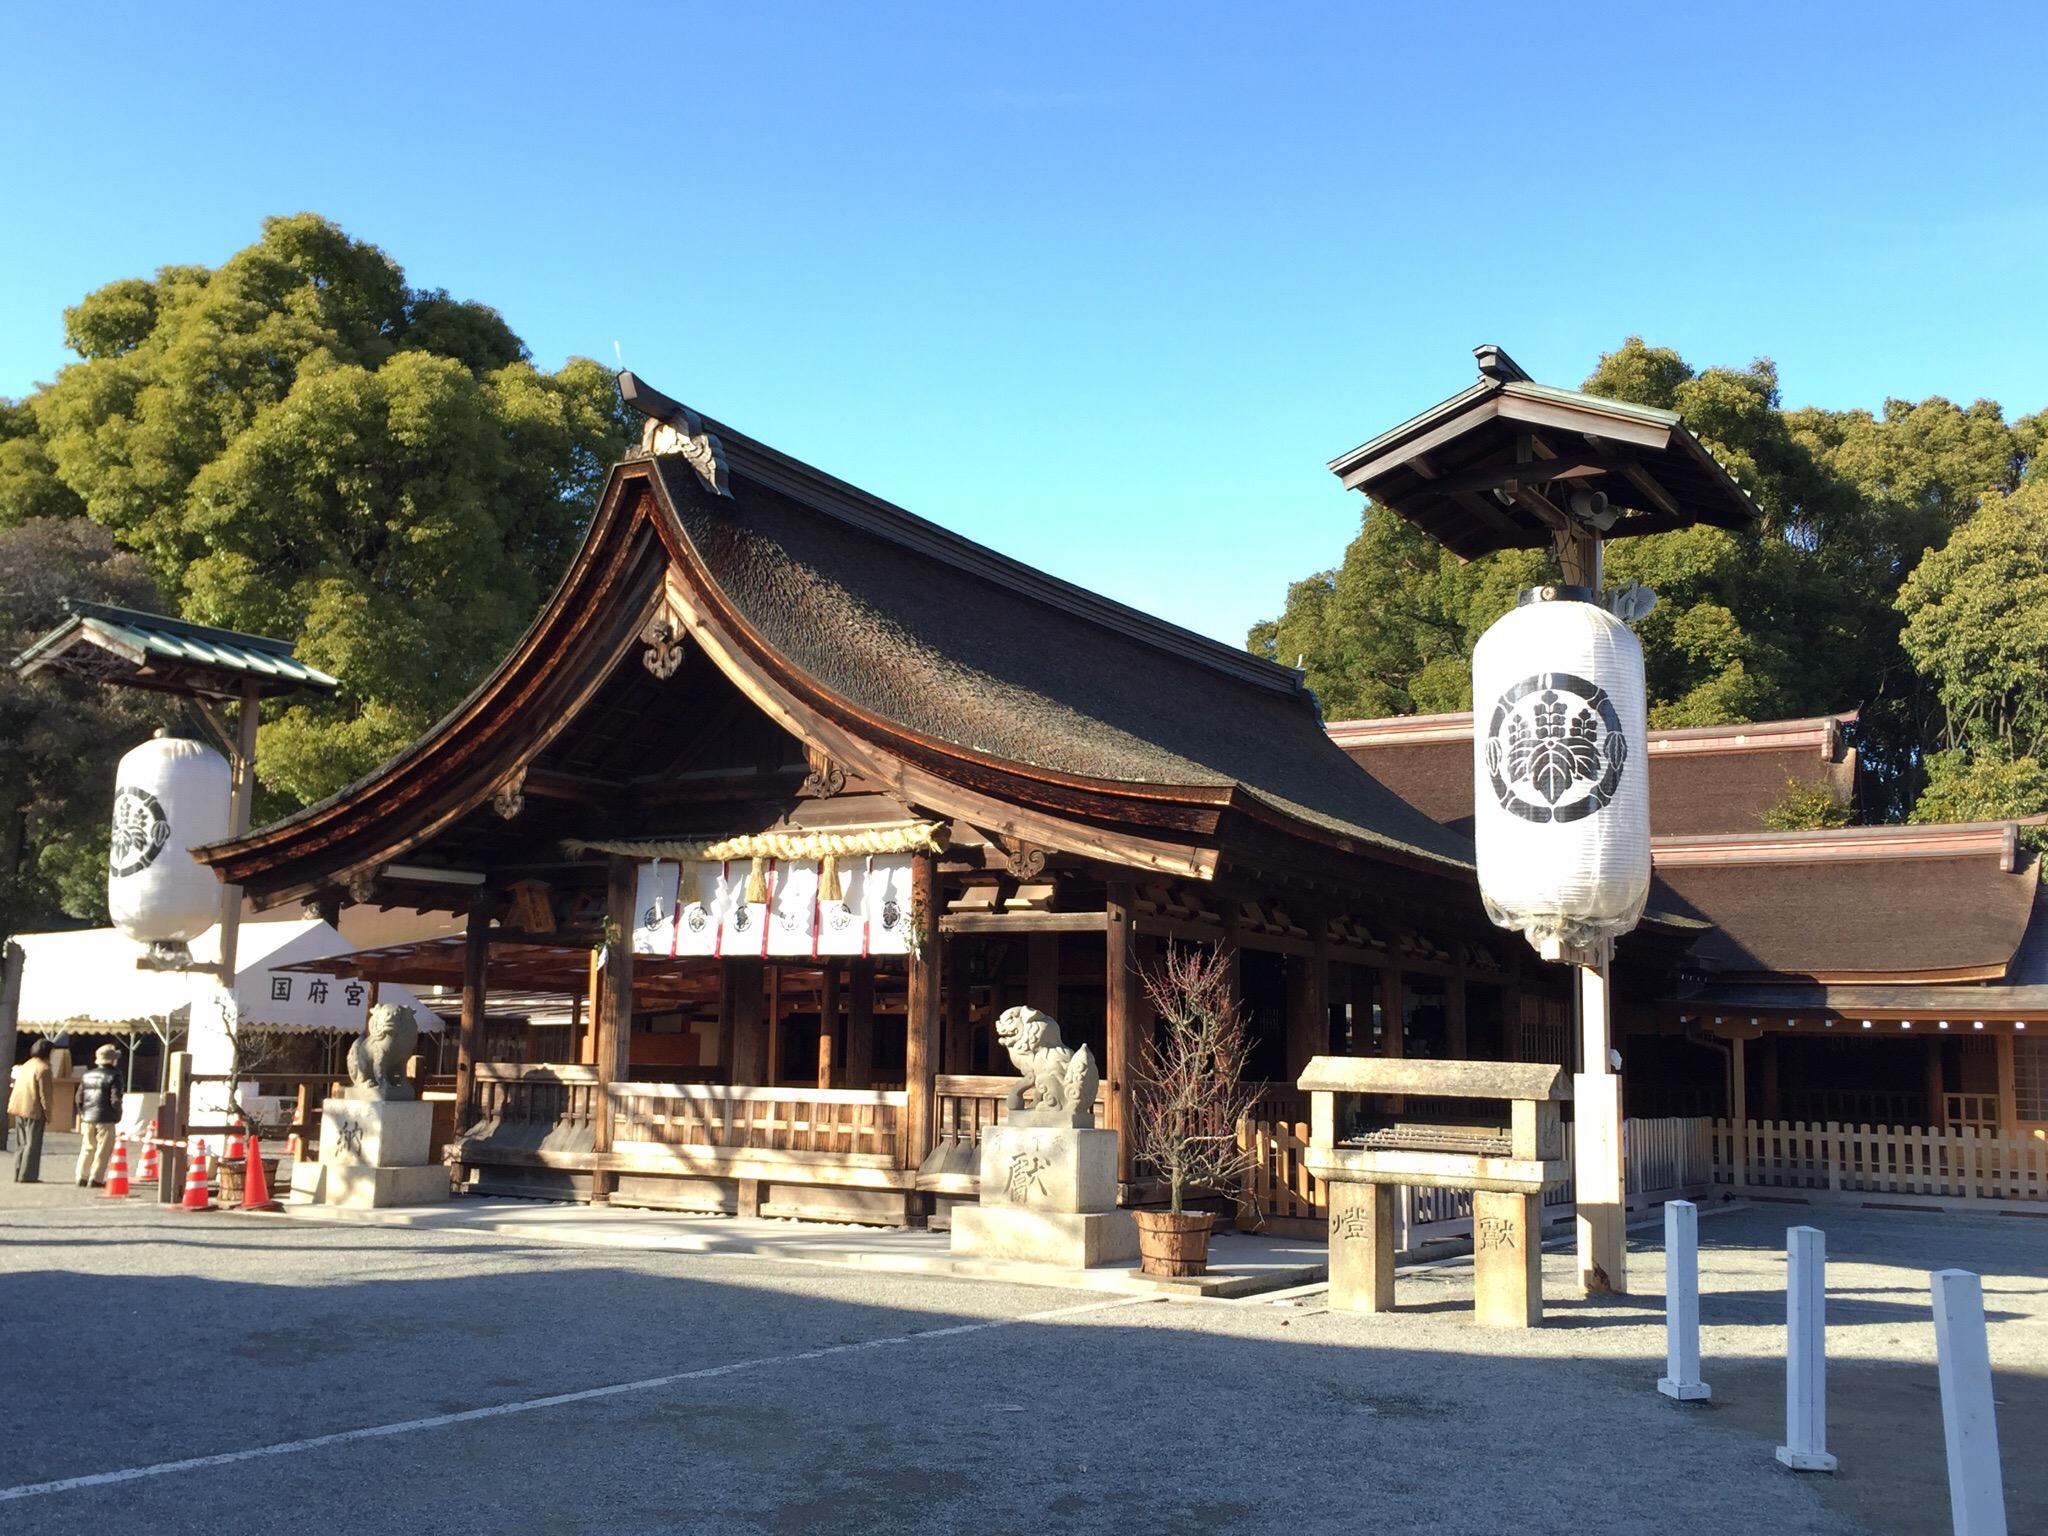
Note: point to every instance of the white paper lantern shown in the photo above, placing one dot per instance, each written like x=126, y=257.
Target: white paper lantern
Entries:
x=170, y=796
x=1561, y=773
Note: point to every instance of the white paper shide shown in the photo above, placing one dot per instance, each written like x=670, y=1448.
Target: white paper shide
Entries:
x=1561, y=774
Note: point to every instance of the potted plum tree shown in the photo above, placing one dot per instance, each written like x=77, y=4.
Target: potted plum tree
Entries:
x=1190, y=1095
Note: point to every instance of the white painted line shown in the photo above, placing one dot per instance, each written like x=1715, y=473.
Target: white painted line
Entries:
x=533, y=1404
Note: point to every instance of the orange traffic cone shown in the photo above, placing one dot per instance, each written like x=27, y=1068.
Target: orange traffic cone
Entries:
x=196, y=1196
x=151, y=1173
x=255, y=1182
x=117, y=1173
x=235, y=1153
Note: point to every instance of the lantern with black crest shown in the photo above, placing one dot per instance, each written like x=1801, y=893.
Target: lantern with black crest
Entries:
x=1561, y=768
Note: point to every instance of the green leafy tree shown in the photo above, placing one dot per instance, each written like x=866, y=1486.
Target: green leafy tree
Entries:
x=1805, y=806
x=300, y=444
x=59, y=738
x=1976, y=626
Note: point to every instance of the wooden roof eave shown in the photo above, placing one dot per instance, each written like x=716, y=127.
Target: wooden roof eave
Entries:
x=455, y=765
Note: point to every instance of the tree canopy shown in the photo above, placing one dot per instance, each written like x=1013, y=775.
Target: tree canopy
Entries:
x=60, y=738
x=1811, y=612
x=298, y=443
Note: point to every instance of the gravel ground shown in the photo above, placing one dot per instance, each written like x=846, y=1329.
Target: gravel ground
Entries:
x=138, y=1336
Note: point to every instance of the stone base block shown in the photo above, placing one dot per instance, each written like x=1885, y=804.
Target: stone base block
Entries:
x=1507, y=1259
x=1361, y=1246
x=365, y=1189
x=1070, y=1239
x=376, y=1133
x=1048, y=1168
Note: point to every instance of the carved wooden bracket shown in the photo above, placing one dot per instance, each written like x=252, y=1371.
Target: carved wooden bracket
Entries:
x=361, y=884
x=826, y=777
x=1026, y=860
x=663, y=638
x=509, y=798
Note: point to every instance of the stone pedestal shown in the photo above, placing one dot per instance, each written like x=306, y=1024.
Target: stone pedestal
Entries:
x=1362, y=1246
x=1048, y=1196
x=373, y=1152
x=1507, y=1259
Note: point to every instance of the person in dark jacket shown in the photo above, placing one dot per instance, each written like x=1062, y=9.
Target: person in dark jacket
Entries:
x=28, y=1105
x=99, y=1111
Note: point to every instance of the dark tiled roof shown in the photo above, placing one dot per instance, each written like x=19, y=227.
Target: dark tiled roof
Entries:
x=975, y=661
x=1689, y=793
x=1866, y=917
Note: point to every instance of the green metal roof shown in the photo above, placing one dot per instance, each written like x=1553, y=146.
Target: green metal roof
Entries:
x=152, y=650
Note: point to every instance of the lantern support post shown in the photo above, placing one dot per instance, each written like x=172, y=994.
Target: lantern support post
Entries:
x=243, y=768
x=1598, y=1179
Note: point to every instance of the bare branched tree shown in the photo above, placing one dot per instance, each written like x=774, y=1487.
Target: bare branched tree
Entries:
x=1191, y=1091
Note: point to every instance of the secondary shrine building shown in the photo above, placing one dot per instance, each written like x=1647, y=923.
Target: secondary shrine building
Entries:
x=788, y=793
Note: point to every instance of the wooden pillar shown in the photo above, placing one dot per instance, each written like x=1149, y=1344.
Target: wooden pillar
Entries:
x=2007, y=1047
x=1767, y=1065
x=1393, y=1014
x=1738, y=1112
x=958, y=1055
x=1511, y=1005
x=771, y=1037
x=1308, y=1007
x=860, y=1024
x=740, y=1022
x=831, y=1054
x=615, y=1013
x=1233, y=950
x=469, y=1040
x=1365, y=985
x=12, y=957
x=241, y=800
x=1457, y=1044
x=1042, y=973
x=1937, y=1095
x=921, y=1012
x=585, y=1044
x=1122, y=1005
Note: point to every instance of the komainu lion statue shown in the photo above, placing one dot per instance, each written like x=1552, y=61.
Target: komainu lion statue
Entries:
x=376, y=1063
x=1061, y=1081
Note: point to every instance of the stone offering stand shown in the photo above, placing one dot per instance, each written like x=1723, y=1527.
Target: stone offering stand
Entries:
x=1365, y=1153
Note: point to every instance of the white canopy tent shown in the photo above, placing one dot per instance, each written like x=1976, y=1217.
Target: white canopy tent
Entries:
x=87, y=982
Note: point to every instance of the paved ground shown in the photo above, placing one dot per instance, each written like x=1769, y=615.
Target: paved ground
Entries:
x=526, y=1386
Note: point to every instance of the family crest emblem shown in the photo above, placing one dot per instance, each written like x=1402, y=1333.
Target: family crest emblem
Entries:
x=1555, y=751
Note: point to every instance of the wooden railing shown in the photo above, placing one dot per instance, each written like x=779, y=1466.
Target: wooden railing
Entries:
x=561, y=1097
x=1855, y=1162
x=967, y=1106
x=1869, y=1106
x=851, y=1125
x=1979, y=1111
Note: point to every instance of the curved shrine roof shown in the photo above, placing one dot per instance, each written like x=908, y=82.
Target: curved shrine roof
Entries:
x=953, y=656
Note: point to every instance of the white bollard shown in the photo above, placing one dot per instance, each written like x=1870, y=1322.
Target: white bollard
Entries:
x=1806, y=1357
x=1682, y=1304
x=1976, y=1490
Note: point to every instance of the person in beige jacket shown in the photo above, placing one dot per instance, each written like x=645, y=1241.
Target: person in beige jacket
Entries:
x=29, y=1108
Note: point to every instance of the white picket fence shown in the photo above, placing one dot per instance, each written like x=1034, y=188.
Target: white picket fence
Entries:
x=1880, y=1164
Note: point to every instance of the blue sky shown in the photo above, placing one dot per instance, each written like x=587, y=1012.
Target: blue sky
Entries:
x=1102, y=286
